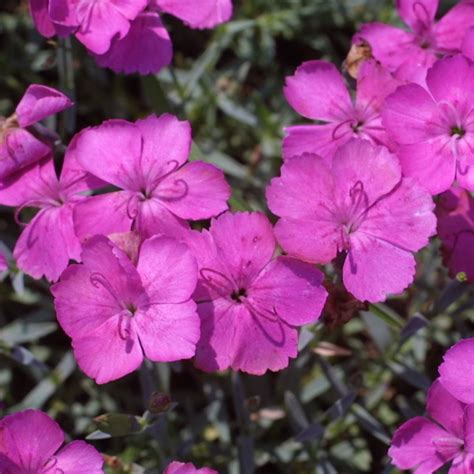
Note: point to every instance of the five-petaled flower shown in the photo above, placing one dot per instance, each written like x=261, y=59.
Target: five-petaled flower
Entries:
x=359, y=206
x=250, y=303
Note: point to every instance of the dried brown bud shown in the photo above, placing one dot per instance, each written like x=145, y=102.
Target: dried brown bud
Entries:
x=341, y=306
x=358, y=53
x=159, y=403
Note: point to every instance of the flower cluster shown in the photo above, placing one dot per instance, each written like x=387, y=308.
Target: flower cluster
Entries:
x=125, y=36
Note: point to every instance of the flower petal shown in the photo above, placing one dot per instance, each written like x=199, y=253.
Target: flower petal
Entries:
x=418, y=14
x=193, y=14
x=39, y=13
x=317, y=91
x=79, y=457
x=450, y=30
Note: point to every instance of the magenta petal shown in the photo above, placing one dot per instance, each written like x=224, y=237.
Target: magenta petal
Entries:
x=461, y=258
x=290, y=288
x=104, y=214
x=40, y=15
x=457, y=370
x=418, y=14
x=408, y=114
x=168, y=332
x=145, y=49
x=40, y=102
x=451, y=29
x=374, y=269
x=220, y=14
x=29, y=439
x=452, y=79
x=111, y=351
x=317, y=91
x=442, y=407
x=413, y=446
x=322, y=140
x=79, y=457
x=468, y=427
x=121, y=164
x=196, y=191
x=177, y=283
x=19, y=149
x=47, y=244
x=463, y=463
x=468, y=44
x=177, y=467
x=245, y=242
x=195, y=15
x=431, y=163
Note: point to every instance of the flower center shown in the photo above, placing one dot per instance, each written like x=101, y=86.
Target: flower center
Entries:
x=458, y=131
x=239, y=295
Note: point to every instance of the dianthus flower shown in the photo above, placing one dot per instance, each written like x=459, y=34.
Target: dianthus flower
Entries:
x=48, y=242
x=447, y=436
x=30, y=442
x=21, y=140
x=455, y=213
x=358, y=206
x=457, y=370
x=147, y=47
x=147, y=160
x=250, y=303
x=120, y=306
x=317, y=91
x=409, y=54
x=177, y=467
x=434, y=128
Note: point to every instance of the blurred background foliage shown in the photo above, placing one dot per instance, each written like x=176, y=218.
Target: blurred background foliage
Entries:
x=335, y=408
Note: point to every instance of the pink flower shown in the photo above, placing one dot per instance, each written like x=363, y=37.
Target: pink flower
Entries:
x=457, y=370
x=20, y=137
x=409, y=54
x=30, y=442
x=250, y=303
x=147, y=160
x=120, y=308
x=317, y=91
x=360, y=207
x=147, y=47
x=177, y=467
x=48, y=242
x=455, y=213
x=434, y=128
x=96, y=23
x=426, y=444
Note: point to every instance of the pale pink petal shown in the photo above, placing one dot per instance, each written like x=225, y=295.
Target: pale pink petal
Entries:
x=130, y=9
x=408, y=114
x=110, y=351
x=79, y=457
x=372, y=167
x=317, y=91
x=40, y=102
x=322, y=140
x=404, y=218
x=245, y=242
x=40, y=15
x=154, y=218
x=104, y=214
x=442, y=407
x=431, y=163
x=47, y=243
x=419, y=14
x=457, y=370
x=452, y=79
x=177, y=283
x=375, y=269
x=89, y=294
x=196, y=191
x=413, y=446
x=145, y=49
x=18, y=149
x=390, y=45
x=220, y=14
x=168, y=332
x=463, y=463
x=451, y=29
x=290, y=289
x=468, y=44
x=112, y=152
x=314, y=241
x=193, y=14
x=29, y=439
x=177, y=467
